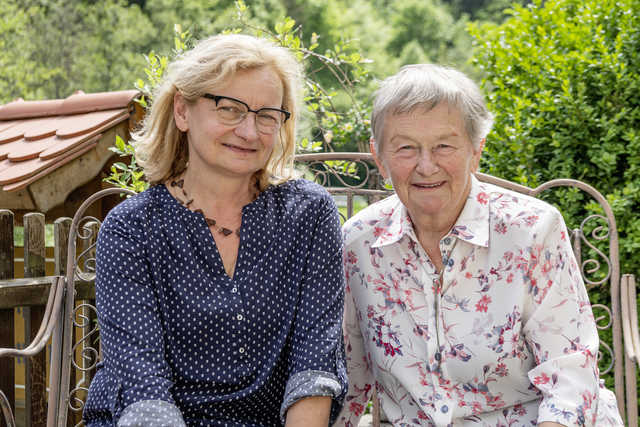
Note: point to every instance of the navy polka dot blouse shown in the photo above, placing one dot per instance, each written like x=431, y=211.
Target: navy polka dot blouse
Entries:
x=185, y=344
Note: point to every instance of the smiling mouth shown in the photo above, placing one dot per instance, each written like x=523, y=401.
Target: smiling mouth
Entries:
x=430, y=186
x=240, y=149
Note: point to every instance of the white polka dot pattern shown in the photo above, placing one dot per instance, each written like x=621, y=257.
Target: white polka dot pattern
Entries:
x=175, y=328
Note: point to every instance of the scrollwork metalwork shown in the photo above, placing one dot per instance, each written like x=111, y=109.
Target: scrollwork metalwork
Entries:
x=600, y=358
x=591, y=266
x=356, y=170
x=87, y=233
x=598, y=319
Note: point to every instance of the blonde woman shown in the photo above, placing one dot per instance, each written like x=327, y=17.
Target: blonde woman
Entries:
x=209, y=283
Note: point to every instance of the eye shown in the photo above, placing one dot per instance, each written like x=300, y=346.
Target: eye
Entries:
x=444, y=149
x=405, y=147
x=268, y=118
x=230, y=109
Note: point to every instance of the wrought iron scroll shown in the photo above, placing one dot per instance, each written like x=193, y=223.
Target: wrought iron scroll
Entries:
x=80, y=359
x=604, y=321
x=345, y=174
x=591, y=266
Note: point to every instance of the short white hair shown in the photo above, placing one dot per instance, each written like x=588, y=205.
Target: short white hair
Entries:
x=425, y=86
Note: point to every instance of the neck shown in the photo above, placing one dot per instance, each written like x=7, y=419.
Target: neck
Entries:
x=224, y=193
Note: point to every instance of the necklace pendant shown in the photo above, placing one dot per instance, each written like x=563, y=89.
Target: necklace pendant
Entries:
x=225, y=231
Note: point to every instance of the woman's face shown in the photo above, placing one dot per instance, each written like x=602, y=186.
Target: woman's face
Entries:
x=429, y=158
x=236, y=151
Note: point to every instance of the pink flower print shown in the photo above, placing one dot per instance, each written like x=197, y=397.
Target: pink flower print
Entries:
x=519, y=409
x=356, y=408
x=541, y=379
x=510, y=278
x=501, y=370
x=531, y=220
x=483, y=304
x=482, y=198
x=370, y=311
x=378, y=231
x=468, y=275
x=501, y=227
x=351, y=257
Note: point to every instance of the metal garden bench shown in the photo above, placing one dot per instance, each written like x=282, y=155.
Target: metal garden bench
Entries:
x=353, y=179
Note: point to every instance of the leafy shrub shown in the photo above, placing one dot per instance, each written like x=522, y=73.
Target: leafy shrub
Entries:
x=563, y=78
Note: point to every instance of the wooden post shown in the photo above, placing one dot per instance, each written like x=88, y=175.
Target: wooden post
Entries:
x=35, y=378
x=7, y=335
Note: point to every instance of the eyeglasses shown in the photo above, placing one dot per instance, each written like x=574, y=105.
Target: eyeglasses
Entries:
x=232, y=112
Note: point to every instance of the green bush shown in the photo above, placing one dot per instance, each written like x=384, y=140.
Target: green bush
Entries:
x=563, y=78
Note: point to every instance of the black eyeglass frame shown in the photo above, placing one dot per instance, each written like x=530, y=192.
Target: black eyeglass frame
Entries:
x=217, y=99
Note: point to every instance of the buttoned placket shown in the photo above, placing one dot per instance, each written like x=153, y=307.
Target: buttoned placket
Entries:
x=443, y=411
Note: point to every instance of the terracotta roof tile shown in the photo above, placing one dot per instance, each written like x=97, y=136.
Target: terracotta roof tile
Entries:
x=25, y=169
x=40, y=168
x=37, y=137
x=79, y=124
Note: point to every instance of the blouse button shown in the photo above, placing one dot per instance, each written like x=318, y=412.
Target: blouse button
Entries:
x=241, y=350
x=438, y=356
x=239, y=317
x=234, y=290
x=447, y=240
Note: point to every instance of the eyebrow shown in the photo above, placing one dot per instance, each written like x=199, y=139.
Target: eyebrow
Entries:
x=439, y=137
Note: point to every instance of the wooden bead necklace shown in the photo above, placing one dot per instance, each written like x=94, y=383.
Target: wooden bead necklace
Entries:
x=210, y=221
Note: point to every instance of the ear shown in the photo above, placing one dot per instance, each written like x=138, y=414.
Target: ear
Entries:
x=477, y=153
x=180, y=112
x=376, y=158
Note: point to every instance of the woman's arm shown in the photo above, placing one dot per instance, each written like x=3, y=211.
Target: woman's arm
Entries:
x=131, y=331
x=559, y=327
x=316, y=361
x=309, y=412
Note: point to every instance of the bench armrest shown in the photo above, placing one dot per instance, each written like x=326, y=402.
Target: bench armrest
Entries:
x=630, y=317
x=51, y=317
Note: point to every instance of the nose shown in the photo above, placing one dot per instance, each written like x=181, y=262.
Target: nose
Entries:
x=247, y=128
x=427, y=164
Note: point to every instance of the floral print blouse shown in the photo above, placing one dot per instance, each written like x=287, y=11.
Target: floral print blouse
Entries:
x=505, y=336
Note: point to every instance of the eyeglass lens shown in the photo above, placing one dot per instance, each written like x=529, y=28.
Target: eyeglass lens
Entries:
x=233, y=112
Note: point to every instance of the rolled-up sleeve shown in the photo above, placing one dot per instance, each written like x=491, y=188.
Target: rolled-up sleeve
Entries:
x=316, y=362
x=560, y=330
x=130, y=326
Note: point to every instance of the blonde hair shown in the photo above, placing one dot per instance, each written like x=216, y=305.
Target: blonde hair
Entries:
x=161, y=148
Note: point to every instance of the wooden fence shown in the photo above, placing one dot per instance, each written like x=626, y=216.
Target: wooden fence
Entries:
x=23, y=296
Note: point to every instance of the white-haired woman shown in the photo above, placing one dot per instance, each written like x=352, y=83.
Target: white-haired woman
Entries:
x=209, y=283
x=465, y=305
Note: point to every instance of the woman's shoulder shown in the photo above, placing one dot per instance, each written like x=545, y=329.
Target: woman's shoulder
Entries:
x=510, y=206
x=137, y=207
x=302, y=187
x=301, y=192
x=367, y=222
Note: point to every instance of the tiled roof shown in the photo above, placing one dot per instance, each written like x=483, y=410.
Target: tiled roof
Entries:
x=37, y=137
